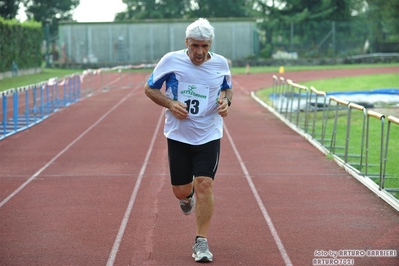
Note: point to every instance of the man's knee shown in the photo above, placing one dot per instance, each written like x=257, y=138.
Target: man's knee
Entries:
x=182, y=192
x=203, y=185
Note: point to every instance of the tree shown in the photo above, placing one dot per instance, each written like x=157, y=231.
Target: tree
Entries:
x=310, y=18
x=317, y=10
x=166, y=9
x=268, y=14
x=9, y=8
x=220, y=8
x=385, y=15
x=50, y=11
x=150, y=9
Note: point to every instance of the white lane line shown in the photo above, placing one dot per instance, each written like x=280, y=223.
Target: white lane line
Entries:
x=262, y=207
x=235, y=83
x=63, y=151
x=125, y=220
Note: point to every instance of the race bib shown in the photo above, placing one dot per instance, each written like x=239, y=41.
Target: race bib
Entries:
x=195, y=96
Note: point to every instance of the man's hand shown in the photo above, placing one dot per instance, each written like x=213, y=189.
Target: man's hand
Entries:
x=179, y=110
x=223, y=108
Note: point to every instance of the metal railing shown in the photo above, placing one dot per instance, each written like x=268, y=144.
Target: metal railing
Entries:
x=395, y=121
x=329, y=121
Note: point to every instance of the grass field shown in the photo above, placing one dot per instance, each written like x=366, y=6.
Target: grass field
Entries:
x=23, y=80
x=358, y=83
x=261, y=69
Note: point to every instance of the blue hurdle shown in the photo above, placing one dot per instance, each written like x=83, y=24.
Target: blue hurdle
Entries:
x=26, y=106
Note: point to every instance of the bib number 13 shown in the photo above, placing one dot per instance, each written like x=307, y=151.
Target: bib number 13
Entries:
x=192, y=106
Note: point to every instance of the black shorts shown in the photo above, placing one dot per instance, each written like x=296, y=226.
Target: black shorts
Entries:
x=186, y=161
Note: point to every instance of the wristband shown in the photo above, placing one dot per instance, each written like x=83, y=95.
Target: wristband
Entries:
x=228, y=100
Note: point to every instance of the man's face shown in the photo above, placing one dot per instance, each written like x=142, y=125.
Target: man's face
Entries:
x=198, y=50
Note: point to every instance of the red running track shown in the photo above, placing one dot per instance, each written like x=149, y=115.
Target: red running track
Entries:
x=90, y=186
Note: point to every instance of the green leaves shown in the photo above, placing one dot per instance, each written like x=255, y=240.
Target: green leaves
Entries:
x=20, y=43
x=178, y=9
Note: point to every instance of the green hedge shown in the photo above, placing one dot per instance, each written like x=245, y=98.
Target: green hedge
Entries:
x=20, y=43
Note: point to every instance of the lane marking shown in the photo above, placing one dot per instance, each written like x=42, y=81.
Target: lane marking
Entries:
x=235, y=83
x=125, y=220
x=262, y=207
x=63, y=151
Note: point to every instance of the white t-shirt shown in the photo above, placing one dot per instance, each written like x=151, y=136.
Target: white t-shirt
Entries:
x=199, y=88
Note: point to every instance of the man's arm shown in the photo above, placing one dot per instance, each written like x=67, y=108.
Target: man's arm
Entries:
x=229, y=94
x=178, y=109
x=223, y=108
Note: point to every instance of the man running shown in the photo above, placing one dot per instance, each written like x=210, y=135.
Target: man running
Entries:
x=198, y=95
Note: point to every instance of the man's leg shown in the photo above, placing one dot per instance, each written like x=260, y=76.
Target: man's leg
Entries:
x=181, y=170
x=203, y=187
x=186, y=197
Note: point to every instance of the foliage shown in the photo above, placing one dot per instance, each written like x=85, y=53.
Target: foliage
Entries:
x=9, y=8
x=220, y=8
x=384, y=13
x=326, y=28
x=137, y=9
x=166, y=9
x=20, y=43
x=282, y=24
x=278, y=16
x=50, y=11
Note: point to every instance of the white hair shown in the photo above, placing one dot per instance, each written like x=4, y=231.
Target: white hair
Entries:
x=200, y=30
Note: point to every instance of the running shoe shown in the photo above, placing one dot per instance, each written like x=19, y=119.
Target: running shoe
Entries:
x=187, y=205
x=201, y=251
